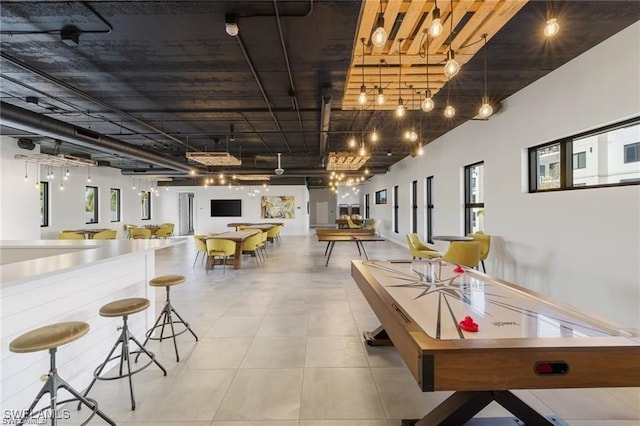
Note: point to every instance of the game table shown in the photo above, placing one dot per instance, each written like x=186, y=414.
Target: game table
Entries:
x=333, y=238
x=524, y=340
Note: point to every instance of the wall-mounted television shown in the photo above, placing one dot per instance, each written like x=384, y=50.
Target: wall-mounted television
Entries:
x=226, y=208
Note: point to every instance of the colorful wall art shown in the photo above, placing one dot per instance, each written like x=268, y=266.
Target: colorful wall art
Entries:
x=278, y=207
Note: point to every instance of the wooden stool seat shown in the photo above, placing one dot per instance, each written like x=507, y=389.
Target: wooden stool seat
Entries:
x=167, y=280
x=49, y=336
x=122, y=307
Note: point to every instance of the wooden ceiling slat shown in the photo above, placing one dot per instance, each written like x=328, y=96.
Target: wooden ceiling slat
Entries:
x=489, y=16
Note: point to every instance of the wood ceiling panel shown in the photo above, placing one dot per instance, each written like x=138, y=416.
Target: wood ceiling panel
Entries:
x=414, y=18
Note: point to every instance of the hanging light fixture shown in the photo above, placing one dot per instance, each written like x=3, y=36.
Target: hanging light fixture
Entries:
x=427, y=104
x=411, y=135
x=400, y=110
x=436, y=23
x=452, y=67
x=26, y=175
x=379, y=36
x=362, y=99
x=380, y=95
x=449, y=111
x=88, y=174
x=485, y=110
x=551, y=28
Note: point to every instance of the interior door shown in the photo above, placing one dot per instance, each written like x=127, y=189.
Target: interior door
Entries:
x=185, y=212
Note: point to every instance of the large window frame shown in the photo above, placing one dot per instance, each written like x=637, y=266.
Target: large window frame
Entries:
x=367, y=202
x=414, y=206
x=564, y=168
x=114, y=204
x=396, y=208
x=145, y=204
x=473, y=197
x=429, y=208
x=44, y=204
x=91, y=204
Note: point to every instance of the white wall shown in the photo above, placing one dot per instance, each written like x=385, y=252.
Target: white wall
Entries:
x=581, y=247
x=167, y=206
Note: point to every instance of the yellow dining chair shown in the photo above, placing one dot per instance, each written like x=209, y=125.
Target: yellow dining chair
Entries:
x=250, y=246
x=352, y=225
x=262, y=245
x=107, y=234
x=70, y=236
x=277, y=236
x=419, y=249
x=218, y=247
x=466, y=253
x=485, y=245
x=169, y=225
x=163, y=232
x=128, y=228
x=140, y=233
x=201, y=247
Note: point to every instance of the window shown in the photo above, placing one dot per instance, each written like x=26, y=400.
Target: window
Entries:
x=381, y=196
x=115, y=205
x=474, y=198
x=608, y=156
x=632, y=152
x=366, y=206
x=580, y=160
x=91, y=204
x=414, y=206
x=429, y=209
x=396, y=208
x=44, y=204
x=145, y=200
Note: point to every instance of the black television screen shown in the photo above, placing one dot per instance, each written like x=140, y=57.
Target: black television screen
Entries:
x=226, y=208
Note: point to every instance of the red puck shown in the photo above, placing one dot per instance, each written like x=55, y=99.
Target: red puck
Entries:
x=468, y=325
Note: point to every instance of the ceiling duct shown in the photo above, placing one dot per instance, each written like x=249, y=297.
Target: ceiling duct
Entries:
x=325, y=117
x=28, y=121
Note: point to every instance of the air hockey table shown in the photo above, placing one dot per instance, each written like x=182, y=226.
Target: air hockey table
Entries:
x=524, y=340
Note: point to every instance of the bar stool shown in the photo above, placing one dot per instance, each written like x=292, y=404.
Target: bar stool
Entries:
x=166, y=315
x=123, y=308
x=50, y=337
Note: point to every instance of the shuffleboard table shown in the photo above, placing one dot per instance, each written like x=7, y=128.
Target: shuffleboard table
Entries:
x=524, y=340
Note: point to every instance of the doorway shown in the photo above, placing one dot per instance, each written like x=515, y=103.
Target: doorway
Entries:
x=185, y=213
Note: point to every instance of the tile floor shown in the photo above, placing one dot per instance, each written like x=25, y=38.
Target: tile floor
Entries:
x=280, y=345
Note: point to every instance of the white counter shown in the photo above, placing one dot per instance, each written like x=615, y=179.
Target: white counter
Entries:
x=48, y=281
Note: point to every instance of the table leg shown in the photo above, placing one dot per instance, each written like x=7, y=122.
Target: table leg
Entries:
x=364, y=250
x=461, y=406
x=326, y=249
x=237, y=257
x=377, y=337
x=331, y=244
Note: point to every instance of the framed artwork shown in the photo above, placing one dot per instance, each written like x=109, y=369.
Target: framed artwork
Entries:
x=145, y=202
x=381, y=196
x=115, y=205
x=91, y=204
x=278, y=207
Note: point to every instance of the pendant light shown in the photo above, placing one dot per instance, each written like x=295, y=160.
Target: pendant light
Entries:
x=362, y=99
x=449, y=111
x=551, y=28
x=485, y=110
x=436, y=23
x=400, y=110
x=379, y=36
x=380, y=95
x=427, y=104
x=452, y=67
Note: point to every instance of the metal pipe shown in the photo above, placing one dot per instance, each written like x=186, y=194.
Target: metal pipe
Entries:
x=28, y=121
x=325, y=117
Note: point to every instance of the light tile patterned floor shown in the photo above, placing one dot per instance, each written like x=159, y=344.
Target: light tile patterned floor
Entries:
x=280, y=345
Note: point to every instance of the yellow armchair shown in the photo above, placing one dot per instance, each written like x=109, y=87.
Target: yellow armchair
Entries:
x=466, y=253
x=485, y=245
x=419, y=249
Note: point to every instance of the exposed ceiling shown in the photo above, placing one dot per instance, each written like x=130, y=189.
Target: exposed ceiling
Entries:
x=138, y=84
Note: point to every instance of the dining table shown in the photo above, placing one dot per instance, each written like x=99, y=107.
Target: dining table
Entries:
x=253, y=225
x=238, y=237
x=87, y=233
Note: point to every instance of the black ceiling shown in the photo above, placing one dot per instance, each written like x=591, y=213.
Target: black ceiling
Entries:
x=151, y=80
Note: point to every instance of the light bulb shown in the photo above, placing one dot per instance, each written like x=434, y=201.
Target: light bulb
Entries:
x=352, y=142
x=452, y=67
x=380, y=97
x=400, y=110
x=231, y=28
x=366, y=171
x=551, y=28
x=436, y=25
x=374, y=136
x=362, y=99
x=485, y=110
x=379, y=36
x=89, y=179
x=427, y=104
x=413, y=136
x=449, y=111
x=362, y=151
x=420, y=150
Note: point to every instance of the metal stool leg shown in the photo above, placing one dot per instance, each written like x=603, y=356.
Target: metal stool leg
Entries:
x=125, y=355
x=166, y=318
x=51, y=386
